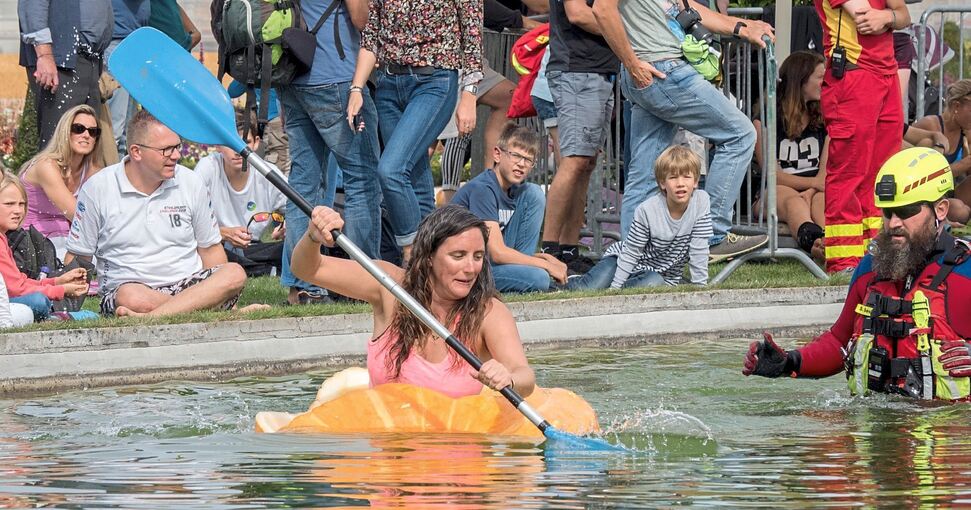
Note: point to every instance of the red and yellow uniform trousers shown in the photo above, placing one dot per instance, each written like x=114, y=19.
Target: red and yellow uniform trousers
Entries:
x=864, y=119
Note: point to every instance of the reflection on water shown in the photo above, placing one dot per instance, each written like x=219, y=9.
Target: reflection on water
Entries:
x=706, y=435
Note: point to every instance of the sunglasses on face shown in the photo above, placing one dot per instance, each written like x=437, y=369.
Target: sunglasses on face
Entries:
x=80, y=128
x=903, y=212
x=265, y=216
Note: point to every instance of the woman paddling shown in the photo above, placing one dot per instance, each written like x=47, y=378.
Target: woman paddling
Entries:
x=448, y=275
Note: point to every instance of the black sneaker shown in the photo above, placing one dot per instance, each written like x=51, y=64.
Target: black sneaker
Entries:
x=579, y=265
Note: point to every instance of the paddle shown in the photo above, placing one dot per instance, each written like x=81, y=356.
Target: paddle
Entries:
x=187, y=98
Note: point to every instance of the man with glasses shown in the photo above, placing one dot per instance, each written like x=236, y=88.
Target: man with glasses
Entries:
x=150, y=223
x=513, y=210
x=905, y=323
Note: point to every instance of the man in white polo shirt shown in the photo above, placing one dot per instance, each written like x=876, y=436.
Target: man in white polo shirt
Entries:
x=151, y=226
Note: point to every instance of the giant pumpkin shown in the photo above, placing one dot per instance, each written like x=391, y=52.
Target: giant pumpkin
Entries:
x=345, y=404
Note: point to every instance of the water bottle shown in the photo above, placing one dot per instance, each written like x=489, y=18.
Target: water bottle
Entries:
x=43, y=272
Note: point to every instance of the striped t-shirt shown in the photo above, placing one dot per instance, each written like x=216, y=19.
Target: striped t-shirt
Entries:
x=657, y=242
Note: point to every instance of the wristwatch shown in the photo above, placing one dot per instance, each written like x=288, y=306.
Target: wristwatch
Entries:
x=471, y=89
x=738, y=28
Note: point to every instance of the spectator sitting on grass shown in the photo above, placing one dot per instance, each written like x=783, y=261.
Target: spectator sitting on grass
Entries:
x=801, y=143
x=13, y=315
x=53, y=177
x=153, y=229
x=244, y=203
x=513, y=211
x=36, y=294
x=670, y=229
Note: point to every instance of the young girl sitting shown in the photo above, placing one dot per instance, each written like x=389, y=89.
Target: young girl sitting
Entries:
x=36, y=294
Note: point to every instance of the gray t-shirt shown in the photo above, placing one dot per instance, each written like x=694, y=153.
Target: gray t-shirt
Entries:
x=653, y=32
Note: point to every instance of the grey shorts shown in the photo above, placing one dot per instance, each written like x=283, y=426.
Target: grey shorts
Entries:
x=490, y=78
x=108, y=299
x=584, y=106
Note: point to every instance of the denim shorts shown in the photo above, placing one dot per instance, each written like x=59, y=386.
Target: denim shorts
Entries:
x=584, y=105
x=545, y=110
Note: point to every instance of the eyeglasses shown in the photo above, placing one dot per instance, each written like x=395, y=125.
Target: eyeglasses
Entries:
x=264, y=216
x=905, y=211
x=519, y=158
x=166, y=152
x=80, y=128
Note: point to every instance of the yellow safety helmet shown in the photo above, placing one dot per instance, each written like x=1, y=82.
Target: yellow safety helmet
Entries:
x=913, y=175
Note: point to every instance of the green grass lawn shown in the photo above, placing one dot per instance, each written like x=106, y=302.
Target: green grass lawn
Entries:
x=753, y=275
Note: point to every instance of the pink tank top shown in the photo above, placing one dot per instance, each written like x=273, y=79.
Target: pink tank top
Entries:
x=42, y=213
x=444, y=377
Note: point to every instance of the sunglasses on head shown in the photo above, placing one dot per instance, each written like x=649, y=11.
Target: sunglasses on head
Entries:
x=265, y=216
x=905, y=211
x=80, y=128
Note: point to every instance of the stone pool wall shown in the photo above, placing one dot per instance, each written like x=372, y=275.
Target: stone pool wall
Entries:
x=53, y=361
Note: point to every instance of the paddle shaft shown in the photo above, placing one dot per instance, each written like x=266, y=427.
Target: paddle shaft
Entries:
x=389, y=283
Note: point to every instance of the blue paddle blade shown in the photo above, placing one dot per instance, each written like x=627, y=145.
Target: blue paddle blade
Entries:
x=176, y=88
x=559, y=440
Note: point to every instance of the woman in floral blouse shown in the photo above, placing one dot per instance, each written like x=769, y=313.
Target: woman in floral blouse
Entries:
x=418, y=46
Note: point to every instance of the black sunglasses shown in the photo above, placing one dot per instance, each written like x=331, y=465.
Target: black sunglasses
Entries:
x=905, y=211
x=80, y=128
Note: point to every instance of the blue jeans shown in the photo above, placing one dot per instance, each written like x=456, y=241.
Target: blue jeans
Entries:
x=601, y=276
x=37, y=302
x=522, y=235
x=685, y=99
x=422, y=105
x=317, y=128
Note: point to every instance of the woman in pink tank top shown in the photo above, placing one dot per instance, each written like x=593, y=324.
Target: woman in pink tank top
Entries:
x=53, y=177
x=448, y=275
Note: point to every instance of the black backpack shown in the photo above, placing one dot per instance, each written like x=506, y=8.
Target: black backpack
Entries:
x=32, y=251
x=264, y=44
x=35, y=254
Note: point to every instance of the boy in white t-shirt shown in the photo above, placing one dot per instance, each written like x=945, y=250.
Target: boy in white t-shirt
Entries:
x=150, y=224
x=245, y=204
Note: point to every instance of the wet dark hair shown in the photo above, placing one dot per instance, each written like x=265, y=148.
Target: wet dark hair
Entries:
x=438, y=226
x=793, y=74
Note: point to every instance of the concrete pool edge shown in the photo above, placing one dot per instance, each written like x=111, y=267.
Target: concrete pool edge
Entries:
x=53, y=361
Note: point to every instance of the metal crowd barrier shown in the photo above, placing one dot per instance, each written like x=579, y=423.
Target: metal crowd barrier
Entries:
x=944, y=15
x=743, y=67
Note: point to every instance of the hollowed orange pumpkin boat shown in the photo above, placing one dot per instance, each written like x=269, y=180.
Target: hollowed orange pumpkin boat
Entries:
x=345, y=404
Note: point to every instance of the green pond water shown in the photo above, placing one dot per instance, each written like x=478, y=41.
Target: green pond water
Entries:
x=707, y=436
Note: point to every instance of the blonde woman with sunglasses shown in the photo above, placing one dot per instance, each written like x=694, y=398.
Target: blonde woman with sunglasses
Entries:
x=53, y=177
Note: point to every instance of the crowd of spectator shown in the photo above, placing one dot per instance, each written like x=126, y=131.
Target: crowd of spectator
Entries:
x=390, y=82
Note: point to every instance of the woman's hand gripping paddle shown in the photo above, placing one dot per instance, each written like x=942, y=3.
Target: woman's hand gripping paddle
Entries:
x=186, y=97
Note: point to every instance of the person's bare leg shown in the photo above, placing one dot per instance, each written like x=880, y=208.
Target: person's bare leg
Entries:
x=570, y=232
x=818, y=209
x=903, y=78
x=225, y=283
x=134, y=299
x=792, y=208
x=498, y=98
x=555, y=135
x=573, y=173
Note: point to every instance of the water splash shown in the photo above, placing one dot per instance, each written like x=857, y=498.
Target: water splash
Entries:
x=662, y=432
